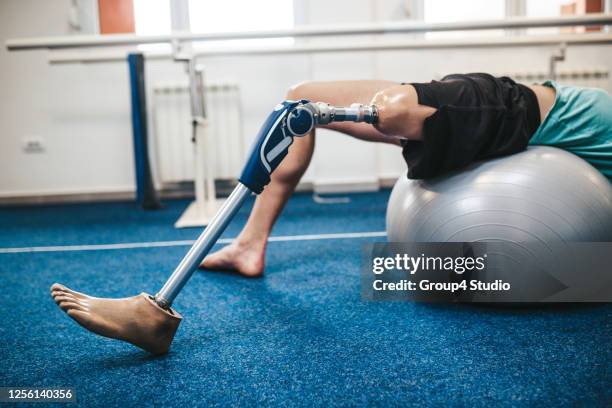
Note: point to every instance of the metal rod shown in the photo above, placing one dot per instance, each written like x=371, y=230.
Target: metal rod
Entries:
x=200, y=249
x=196, y=88
x=200, y=129
x=309, y=31
x=69, y=57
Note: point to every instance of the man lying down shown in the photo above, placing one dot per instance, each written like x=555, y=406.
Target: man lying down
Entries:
x=440, y=126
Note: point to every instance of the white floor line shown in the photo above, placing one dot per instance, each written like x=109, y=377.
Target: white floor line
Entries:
x=132, y=245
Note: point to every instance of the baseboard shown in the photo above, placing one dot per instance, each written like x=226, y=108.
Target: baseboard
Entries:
x=388, y=182
x=67, y=198
x=182, y=190
x=344, y=186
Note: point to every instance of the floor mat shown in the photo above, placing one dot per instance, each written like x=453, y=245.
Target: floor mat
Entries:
x=300, y=336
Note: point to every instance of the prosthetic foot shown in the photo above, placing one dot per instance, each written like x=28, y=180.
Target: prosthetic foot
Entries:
x=149, y=322
x=137, y=320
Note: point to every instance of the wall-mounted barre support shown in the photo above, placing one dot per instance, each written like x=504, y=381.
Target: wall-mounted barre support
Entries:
x=556, y=57
x=77, y=41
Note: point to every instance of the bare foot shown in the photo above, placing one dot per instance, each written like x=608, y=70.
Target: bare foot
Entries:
x=246, y=259
x=137, y=320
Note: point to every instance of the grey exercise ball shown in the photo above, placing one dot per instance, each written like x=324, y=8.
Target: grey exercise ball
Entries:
x=543, y=195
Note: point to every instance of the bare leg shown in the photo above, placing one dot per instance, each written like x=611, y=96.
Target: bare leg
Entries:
x=246, y=254
x=137, y=320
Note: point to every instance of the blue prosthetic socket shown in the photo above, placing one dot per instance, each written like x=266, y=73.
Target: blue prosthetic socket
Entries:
x=288, y=120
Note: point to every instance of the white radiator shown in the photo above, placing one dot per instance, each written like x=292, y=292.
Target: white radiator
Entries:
x=173, y=131
x=588, y=77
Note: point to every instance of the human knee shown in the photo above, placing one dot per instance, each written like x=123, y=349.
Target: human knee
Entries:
x=394, y=110
x=301, y=90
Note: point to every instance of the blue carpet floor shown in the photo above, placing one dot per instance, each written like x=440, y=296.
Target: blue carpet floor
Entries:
x=301, y=336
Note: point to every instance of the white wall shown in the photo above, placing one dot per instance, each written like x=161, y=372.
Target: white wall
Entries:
x=82, y=112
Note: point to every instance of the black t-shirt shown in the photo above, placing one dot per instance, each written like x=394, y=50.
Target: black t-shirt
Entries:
x=478, y=117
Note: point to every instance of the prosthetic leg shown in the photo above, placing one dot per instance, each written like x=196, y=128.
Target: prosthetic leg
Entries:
x=149, y=322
